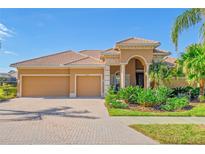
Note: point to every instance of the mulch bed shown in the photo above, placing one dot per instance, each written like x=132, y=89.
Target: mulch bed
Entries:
x=156, y=108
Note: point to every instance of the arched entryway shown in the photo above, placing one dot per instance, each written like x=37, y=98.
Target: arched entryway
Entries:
x=134, y=72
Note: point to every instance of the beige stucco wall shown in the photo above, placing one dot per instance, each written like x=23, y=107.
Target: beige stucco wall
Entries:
x=147, y=54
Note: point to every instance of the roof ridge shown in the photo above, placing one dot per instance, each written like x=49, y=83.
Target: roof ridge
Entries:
x=76, y=60
x=42, y=57
x=89, y=56
x=124, y=40
x=139, y=38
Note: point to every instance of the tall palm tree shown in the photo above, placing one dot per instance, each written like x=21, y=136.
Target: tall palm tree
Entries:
x=159, y=72
x=187, y=19
x=193, y=62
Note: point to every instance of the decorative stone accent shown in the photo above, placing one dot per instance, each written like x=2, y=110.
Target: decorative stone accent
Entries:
x=106, y=78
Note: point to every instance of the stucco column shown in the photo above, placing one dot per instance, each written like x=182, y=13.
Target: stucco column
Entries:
x=122, y=75
x=106, y=78
x=147, y=73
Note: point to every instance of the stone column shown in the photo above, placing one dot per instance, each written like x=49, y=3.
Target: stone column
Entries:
x=122, y=75
x=147, y=73
x=106, y=79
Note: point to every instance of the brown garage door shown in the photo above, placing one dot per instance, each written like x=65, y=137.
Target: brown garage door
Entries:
x=45, y=86
x=88, y=86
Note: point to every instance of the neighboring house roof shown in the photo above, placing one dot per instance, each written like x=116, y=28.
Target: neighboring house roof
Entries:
x=5, y=75
x=161, y=52
x=138, y=41
x=8, y=77
x=171, y=61
x=58, y=59
x=92, y=53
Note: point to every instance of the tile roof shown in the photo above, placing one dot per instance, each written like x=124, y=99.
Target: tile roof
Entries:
x=134, y=40
x=160, y=51
x=111, y=51
x=171, y=61
x=92, y=53
x=86, y=61
x=59, y=59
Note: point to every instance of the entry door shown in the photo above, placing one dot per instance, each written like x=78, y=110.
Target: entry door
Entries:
x=140, y=79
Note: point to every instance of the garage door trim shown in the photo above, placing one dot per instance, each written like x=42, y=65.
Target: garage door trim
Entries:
x=22, y=75
x=101, y=82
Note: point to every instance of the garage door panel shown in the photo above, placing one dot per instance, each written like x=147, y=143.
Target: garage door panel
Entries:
x=45, y=86
x=88, y=86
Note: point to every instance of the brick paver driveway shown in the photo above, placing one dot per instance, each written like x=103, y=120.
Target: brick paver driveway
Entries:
x=63, y=121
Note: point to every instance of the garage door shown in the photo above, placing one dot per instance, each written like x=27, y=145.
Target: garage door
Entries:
x=45, y=86
x=88, y=86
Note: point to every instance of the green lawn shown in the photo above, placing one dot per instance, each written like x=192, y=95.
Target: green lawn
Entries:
x=198, y=110
x=173, y=133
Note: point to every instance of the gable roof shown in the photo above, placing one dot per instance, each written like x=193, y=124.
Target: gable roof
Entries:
x=138, y=41
x=111, y=51
x=92, y=53
x=57, y=59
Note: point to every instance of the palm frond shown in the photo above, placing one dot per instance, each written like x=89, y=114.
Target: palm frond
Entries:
x=184, y=21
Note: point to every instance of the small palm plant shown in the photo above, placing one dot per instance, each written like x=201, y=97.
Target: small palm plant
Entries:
x=159, y=72
x=193, y=64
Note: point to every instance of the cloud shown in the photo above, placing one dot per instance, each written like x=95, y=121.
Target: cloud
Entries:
x=8, y=53
x=4, y=31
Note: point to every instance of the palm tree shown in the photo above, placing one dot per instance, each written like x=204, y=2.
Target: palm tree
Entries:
x=193, y=62
x=187, y=19
x=159, y=72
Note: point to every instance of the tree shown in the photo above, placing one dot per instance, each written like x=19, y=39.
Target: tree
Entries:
x=187, y=19
x=193, y=62
x=159, y=72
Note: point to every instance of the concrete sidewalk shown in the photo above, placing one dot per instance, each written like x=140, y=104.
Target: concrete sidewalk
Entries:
x=159, y=120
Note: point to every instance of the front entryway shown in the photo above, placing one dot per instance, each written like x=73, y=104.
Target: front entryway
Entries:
x=140, y=79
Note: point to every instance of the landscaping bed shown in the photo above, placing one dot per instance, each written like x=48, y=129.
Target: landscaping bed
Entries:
x=173, y=133
x=163, y=101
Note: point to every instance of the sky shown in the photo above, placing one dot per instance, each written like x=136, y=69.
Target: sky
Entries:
x=30, y=33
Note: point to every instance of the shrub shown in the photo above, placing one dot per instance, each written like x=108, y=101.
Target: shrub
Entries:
x=147, y=98
x=129, y=94
x=188, y=91
x=201, y=98
x=9, y=90
x=162, y=93
x=175, y=104
x=110, y=96
x=118, y=104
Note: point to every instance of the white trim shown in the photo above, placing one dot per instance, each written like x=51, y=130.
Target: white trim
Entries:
x=76, y=75
x=22, y=75
x=140, y=71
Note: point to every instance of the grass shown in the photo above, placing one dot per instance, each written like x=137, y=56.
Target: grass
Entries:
x=198, y=110
x=173, y=133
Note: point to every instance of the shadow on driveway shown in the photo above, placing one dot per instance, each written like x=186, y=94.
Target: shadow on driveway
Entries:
x=38, y=115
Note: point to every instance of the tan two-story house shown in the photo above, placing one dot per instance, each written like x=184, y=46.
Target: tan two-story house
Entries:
x=89, y=73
